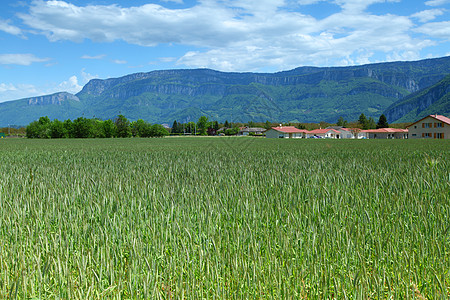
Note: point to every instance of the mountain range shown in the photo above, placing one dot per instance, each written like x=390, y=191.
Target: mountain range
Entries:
x=403, y=91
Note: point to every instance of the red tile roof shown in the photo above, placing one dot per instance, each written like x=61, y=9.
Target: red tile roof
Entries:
x=323, y=131
x=441, y=118
x=386, y=130
x=288, y=129
x=437, y=117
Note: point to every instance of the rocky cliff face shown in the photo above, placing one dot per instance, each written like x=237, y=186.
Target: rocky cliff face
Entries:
x=54, y=99
x=410, y=76
x=414, y=104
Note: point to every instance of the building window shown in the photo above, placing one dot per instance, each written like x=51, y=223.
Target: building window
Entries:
x=427, y=125
x=414, y=134
x=439, y=125
x=439, y=135
x=426, y=135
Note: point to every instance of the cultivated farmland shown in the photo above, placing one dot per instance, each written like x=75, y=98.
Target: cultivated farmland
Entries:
x=224, y=218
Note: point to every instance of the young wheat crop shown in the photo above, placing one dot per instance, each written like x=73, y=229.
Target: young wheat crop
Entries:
x=224, y=218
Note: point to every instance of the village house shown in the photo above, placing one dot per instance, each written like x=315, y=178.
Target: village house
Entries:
x=386, y=133
x=430, y=127
x=251, y=131
x=290, y=132
x=324, y=133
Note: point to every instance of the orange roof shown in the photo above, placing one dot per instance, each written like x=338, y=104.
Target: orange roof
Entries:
x=437, y=117
x=386, y=130
x=320, y=131
x=288, y=129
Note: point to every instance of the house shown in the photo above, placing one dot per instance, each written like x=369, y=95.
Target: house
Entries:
x=431, y=127
x=285, y=132
x=344, y=133
x=386, y=133
x=251, y=131
x=324, y=133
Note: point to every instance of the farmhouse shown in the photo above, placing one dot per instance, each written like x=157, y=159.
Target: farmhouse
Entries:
x=430, y=127
x=386, y=133
x=251, y=130
x=285, y=132
x=324, y=133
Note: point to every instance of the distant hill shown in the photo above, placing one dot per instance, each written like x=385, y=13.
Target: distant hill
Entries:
x=305, y=94
x=431, y=100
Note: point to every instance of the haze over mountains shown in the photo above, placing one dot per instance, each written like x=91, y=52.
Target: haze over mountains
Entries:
x=403, y=90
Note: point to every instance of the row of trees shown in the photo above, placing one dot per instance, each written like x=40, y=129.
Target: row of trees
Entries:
x=122, y=127
x=93, y=128
x=365, y=123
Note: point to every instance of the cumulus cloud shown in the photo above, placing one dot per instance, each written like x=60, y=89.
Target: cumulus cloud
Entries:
x=236, y=34
x=20, y=59
x=428, y=15
x=11, y=29
x=436, y=2
x=436, y=29
x=9, y=91
x=71, y=85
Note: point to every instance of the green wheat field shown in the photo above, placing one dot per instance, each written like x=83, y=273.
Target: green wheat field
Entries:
x=224, y=218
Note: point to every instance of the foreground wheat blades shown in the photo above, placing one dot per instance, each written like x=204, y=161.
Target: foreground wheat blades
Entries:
x=224, y=218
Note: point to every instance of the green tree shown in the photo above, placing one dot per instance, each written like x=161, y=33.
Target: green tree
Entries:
x=216, y=125
x=158, y=130
x=32, y=130
x=267, y=125
x=83, y=128
x=341, y=122
x=231, y=131
x=140, y=128
x=109, y=129
x=68, y=126
x=202, y=125
x=57, y=130
x=226, y=124
x=371, y=124
x=123, y=126
x=363, y=122
x=382, y=122
x=190, y=127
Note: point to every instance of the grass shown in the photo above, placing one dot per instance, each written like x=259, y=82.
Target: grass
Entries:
x=224, y=218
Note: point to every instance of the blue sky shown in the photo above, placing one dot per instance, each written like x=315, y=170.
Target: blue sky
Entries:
x=52, y=46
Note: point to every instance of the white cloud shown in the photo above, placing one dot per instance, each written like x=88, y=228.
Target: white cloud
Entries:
x=101, y=56
x=436, y=29
x=9, y=91
x=20, y=59
x=175, y=1
x=86, y=76
x=428, y=15
x=71, y=85
x=119, y=62
x=359, y=5
x=242, y=34
x=436, y=2
x=167, y=59
x=6, y=27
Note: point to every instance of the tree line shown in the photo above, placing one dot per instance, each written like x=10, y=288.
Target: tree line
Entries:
x=82, y=127
x=365, y=123
x=122, y=127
